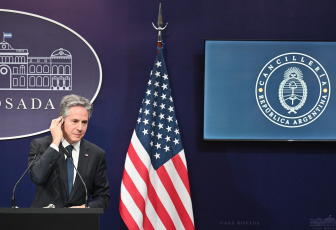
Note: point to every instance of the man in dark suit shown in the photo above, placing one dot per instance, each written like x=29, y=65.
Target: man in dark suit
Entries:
x=54, y=175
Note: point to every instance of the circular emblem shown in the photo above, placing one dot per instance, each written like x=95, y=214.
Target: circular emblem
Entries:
x=292, y=90
x=36, y=71
x=3, y=71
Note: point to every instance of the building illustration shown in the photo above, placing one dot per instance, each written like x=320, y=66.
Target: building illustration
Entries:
x=18, y=71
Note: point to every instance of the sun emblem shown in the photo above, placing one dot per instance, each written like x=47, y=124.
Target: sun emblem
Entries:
x=293, y=90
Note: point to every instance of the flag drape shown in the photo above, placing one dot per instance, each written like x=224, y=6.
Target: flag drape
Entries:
x=155, y=191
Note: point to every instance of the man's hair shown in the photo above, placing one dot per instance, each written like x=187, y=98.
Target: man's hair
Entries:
x=74, y=100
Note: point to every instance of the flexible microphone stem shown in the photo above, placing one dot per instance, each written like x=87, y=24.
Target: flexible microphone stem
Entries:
x=13, y=196
x=86, y=194
x=29, y=166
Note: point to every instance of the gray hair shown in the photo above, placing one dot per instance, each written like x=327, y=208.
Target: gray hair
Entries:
x=74, y=100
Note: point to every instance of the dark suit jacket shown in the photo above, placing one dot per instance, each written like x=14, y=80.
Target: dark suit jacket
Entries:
x=50, y=175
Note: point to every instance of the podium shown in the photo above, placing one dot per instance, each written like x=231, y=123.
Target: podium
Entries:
x=50, y=218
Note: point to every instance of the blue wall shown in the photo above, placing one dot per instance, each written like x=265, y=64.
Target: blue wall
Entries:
x=269, y=185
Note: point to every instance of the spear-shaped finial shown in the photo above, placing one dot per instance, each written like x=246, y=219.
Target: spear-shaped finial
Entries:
x=160, y=22
x=159, y=27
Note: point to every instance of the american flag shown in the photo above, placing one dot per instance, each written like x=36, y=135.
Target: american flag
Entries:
x=155, y=190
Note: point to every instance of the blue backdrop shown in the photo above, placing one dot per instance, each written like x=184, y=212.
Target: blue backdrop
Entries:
x=234, y=185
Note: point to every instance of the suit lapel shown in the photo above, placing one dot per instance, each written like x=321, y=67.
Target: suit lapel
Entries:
x=82, y=166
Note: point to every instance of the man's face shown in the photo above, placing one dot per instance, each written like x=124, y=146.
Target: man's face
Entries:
x=75, y=124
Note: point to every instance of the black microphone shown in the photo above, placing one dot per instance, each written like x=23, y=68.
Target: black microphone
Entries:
x=29, y=166
x=69, y=156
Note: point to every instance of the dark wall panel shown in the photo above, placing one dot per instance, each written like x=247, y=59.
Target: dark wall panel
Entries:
x=234, y=185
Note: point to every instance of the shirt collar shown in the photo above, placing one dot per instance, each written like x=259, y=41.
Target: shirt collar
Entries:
x=75, y=145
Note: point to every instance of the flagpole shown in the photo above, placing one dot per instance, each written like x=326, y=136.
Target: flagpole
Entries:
x=155, y=192
x=159, y=28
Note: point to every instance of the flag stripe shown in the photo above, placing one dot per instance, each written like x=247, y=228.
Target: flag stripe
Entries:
x=138, y=198
x=182, y=170
x=152, y=193
x=131, y=174
x=136, y=178
x=170, y=188
x=153, y=217
x=125, y=207
x=127, y=217
x=164, y=199
x=139, y=159
x=150, y=213
x=181, y=189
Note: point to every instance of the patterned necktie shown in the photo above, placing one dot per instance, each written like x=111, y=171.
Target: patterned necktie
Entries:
x=70, y=169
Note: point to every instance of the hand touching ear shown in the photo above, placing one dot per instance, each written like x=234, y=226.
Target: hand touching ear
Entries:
x=56, y=130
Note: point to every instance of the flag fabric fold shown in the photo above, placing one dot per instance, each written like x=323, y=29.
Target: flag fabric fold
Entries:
x=155, y=191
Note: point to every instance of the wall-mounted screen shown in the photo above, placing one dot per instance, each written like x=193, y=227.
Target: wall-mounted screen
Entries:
x=270, y=90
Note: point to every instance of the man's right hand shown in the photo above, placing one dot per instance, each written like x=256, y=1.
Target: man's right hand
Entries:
x=56, y=130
